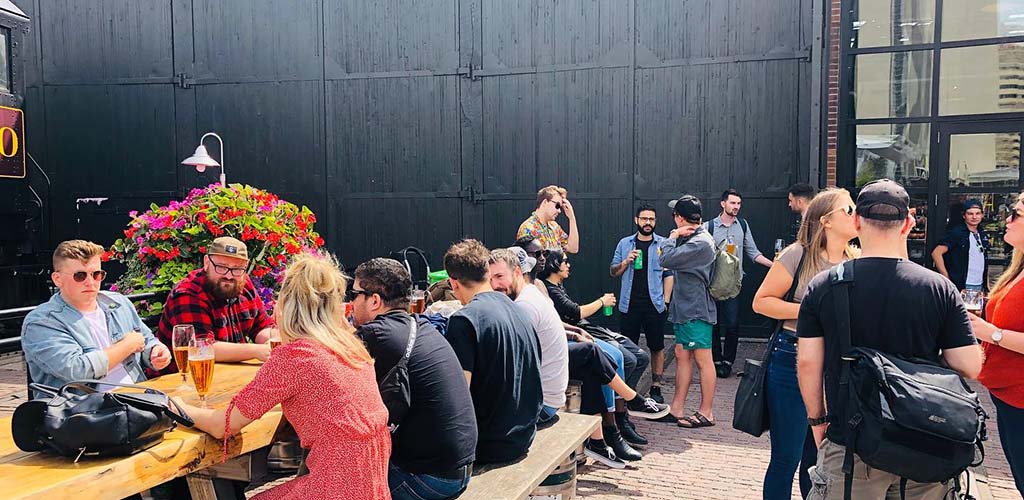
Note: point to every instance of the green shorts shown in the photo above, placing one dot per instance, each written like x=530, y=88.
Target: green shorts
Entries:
x=692, y=335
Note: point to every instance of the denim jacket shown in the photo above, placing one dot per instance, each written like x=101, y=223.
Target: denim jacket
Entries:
x=59, y=347
x=655, y=273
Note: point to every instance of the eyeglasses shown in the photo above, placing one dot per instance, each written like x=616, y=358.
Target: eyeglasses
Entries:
x=647, y=219
x=234, y=271
x=80, y=276
x=848, y=210
x=352, y=293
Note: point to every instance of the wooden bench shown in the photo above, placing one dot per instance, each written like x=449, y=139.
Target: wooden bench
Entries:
x=550, y=448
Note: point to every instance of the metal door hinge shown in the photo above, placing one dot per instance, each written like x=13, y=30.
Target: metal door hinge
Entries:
x=183, y=80
x=470, y=73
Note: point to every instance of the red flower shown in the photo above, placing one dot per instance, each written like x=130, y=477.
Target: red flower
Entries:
x=319, y=241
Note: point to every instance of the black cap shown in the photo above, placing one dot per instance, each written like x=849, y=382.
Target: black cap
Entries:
x=875, y=197
x=688, y=207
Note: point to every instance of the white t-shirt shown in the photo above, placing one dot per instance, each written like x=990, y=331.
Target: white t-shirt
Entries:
x=98, y=327
x=554, y=348
x=975, y=261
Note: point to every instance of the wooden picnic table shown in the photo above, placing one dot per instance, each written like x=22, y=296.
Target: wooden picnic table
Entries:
x=182, y=452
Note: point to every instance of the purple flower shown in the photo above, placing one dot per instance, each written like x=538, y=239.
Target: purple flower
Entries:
x=139, y=240
x=133, y=214
x=114, y=287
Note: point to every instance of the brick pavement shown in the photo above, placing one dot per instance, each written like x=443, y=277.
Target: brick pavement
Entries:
x=713, y=463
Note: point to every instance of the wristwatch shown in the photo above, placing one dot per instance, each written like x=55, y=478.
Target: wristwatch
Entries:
x=814, y=422
x=997, y=336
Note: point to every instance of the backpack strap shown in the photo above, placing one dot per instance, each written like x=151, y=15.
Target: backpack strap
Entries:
x=841, y=279
x=743, y=224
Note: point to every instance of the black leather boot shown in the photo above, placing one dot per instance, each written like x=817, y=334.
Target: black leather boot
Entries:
x=618, y=445
x=628, y=430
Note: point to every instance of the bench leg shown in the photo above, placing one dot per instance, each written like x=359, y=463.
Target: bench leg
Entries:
x=204, y=487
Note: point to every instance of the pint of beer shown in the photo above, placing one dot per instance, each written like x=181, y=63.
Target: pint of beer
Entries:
x=182, y=336
x=417, y=302
x=181, y=360
x=274, y=343
x=200, y=363
x=973, y=300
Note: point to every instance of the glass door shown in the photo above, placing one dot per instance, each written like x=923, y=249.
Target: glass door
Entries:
x=974, y=161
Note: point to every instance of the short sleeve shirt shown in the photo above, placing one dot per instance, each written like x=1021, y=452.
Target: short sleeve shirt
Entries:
x=551, y=235
x=896, y=307
x=554, y=348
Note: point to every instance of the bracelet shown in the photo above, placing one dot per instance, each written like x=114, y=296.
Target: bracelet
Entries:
x=814, y=422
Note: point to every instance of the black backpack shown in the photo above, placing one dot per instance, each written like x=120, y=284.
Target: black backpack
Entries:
x=395, y=387
x=908, y=417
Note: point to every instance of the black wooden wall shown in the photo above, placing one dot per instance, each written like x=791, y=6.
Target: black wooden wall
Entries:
x=404, y=122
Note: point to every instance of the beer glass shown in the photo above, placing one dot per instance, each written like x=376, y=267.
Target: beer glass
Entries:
x=417, y=301
x=973, y=300
x=274, y=342
x=200, y=363
x=182, y=337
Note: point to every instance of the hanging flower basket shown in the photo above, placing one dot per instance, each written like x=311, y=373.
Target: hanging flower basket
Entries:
x=161, y=246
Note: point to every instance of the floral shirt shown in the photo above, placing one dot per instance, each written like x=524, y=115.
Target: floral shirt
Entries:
x=551, y=235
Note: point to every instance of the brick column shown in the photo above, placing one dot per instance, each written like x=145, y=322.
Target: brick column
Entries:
x=832, y=125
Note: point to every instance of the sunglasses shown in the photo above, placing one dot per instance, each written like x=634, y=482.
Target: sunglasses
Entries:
x=80, y=276
x=1015, y=214
x=848, y=210
x=539, y=253
x=558, y=205
x=352, y=293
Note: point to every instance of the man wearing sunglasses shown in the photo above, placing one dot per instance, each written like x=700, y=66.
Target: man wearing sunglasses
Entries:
x=85, y=333
x=222, y=301
x=542, y=225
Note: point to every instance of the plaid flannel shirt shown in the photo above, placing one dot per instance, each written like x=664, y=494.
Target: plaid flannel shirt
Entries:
x=238, y=320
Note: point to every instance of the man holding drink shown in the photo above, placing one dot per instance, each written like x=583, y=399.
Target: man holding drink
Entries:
x=85, y=333
x=220, y=300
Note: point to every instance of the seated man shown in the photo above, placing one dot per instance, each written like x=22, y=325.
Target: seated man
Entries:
x=500, y=357
x=85, y=333
x=220, y=300
x=432, y=450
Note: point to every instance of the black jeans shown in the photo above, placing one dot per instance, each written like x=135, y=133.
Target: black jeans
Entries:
x=1010, y=420
x=728, y=320
x=591, y=366
x=649, y=322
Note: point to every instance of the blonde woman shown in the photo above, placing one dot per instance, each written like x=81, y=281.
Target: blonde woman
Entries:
x=323, y=378
x=822, y=242
x=1003, y=342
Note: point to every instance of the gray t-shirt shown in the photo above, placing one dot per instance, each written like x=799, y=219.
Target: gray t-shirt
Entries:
x=554, y=348
x=790, y=259
x=744, y=242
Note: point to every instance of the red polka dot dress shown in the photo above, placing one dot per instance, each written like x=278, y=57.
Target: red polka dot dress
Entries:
x=338, y=414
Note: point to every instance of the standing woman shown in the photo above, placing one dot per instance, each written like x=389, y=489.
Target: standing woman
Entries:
x=323, y=378
x=822, y=242
x=1003, y=342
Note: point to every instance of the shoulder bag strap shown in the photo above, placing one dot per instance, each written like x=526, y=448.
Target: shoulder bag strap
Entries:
x=177, y=413
x=778, y=323
x=840, y=279
x=413, y=328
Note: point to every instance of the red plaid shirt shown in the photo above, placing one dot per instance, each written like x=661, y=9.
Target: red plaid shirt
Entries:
x=236, y=321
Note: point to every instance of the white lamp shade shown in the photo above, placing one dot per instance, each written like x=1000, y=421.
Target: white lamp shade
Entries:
x=201, y=158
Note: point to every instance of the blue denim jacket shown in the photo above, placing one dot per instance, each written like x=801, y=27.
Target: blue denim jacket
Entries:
x=59, y=347
x=655, y=273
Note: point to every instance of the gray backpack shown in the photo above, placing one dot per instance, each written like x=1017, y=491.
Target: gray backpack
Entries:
x=727, y=278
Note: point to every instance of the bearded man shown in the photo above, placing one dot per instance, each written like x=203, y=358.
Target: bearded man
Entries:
x=220, y=300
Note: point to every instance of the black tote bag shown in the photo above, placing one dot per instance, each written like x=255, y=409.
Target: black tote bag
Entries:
x=750, y=408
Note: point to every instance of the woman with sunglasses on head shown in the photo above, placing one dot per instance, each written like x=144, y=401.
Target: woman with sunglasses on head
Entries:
x=822, y=242
x=1002, y=337
x=323, y=378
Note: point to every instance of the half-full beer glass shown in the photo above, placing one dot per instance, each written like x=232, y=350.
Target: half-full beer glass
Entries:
x=182, y=336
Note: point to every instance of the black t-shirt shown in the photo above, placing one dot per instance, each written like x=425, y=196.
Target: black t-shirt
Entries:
x=495, y=342
x=640, y=294
x=439, y=432
x=896, y=307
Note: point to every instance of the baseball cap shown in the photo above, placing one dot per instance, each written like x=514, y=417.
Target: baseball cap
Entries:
x=228, y=247
x=884, y=200
x=972, y=203
x=526, y=263
x=688, y=207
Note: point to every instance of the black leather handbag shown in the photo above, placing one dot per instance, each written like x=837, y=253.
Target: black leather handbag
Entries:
x=750, y=408
x=78, y=420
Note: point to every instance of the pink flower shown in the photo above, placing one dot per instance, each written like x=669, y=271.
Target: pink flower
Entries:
x=139, y=240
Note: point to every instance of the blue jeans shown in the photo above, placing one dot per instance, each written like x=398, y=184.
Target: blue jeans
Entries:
x=616, y=355
x=791, y=440
x=406, y=486
x=546, y=413
x=1010, y=420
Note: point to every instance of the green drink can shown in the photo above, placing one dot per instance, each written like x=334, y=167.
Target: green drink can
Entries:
x=607, y=310
x=638, y=264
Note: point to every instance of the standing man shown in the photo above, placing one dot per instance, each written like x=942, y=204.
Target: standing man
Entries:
x=552, y=200
x=500, y=357
x=800, y=195
x=221, y=300
x=85, y=333
x=960, y=256
x=689, y=252
x=732, y=232
x=642, y=293
x=900, y=308
x=432, y=450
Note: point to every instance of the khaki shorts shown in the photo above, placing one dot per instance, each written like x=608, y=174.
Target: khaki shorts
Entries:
x=827, y=480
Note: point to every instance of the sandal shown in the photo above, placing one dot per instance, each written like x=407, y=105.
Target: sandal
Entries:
x=695, y=421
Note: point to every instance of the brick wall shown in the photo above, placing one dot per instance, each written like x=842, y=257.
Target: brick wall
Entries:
x=832, y=100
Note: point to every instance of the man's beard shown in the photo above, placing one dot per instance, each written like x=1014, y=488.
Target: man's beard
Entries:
x=733, y=212
x=646, y=229
x=213, y=287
